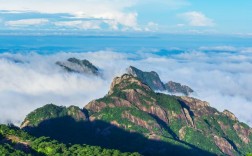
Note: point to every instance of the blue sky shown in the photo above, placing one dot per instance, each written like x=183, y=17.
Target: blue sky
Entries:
x=161, y=16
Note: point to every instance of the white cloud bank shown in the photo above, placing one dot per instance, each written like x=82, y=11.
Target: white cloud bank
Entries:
x=197, y=19
x=112, y=12
x=223, y=78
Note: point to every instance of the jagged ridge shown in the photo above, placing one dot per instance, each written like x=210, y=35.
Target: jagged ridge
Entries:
x=181, y=121
x=186, y=118
x=152, y=79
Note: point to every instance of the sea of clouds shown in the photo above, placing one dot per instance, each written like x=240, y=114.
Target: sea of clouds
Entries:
x=220, y=75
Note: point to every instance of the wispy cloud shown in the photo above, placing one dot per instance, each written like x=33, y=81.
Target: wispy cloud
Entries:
x=110, y=12
x=151, y=26
x=27, y=22
x=197, y=19
x=92, y=24
x=99, y=15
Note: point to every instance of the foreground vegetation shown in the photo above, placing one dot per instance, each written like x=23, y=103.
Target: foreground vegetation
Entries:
x=16, y=142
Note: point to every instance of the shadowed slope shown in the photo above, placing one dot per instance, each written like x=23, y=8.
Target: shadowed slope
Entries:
x=106, y=135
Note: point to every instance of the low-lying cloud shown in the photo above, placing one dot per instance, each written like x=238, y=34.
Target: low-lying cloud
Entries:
x=28, y=81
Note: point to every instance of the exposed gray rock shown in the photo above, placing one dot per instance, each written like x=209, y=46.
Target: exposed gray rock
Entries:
x=152, y=79
x=79, y=66
x=174, y=87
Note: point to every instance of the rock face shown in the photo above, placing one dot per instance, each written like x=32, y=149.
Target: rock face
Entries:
x=121, y=82
x=243, y=132
x=182, y=121
x=150, y=78
x=230, y=115
x=224, y=145
x=79, y=66
x=153, y=81
x=174, y=87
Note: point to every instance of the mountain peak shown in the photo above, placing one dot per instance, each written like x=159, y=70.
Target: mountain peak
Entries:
x=127, y=81
x=51, y=111
x=79, y=66
x=153, y=80
x=174, y=87
x=150, y=78
x=230, y=115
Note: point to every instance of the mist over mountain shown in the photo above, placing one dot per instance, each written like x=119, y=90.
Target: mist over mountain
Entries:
x=33, y=79
x=79, y=66
x=125, y=78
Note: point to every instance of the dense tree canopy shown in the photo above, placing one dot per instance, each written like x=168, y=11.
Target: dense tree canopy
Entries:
x=16, y=142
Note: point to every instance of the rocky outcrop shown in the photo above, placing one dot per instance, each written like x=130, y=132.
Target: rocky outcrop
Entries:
x=195, y=103
x=243, y=132
x=95, y=106
x=119, y=102
x=188, y=117
x=120, y=83
x=177, y=88
x=224, y=145
x=230, y=115
x=182, y=133
x=198, y=107
x=152, y=79
x=79, y=66
x=159, y=112
x=140, y=122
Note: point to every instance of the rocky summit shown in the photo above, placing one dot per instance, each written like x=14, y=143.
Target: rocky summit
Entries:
x=176, y=88
x=79, y=66
x=133, y=118
x=152, y=79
